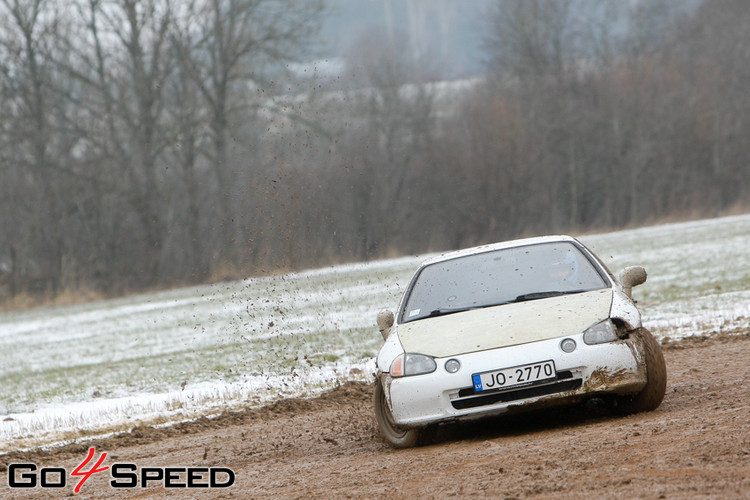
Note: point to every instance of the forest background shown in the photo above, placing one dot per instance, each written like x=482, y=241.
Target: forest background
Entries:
x=155, y=143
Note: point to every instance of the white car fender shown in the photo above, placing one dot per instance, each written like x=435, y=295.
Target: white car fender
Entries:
x=391, y=348
x=624, y=309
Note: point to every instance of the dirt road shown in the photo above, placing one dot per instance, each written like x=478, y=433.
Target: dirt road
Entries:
x=696, y=445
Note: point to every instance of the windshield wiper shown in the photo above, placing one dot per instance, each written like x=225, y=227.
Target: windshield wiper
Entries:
x=443, y=311
x=447, y=310
x=544, y=295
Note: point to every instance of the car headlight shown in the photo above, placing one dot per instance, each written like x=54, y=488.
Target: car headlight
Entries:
x=600, y=333
x=412, y=364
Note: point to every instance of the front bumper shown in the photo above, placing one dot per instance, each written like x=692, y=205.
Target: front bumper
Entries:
x=611, y=368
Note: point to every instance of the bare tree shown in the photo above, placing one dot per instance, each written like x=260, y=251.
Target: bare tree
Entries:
x=121, y=59
x=532, y=39
x=30, y=100
x=229, y=49
x=188, y=116
x=396, y=129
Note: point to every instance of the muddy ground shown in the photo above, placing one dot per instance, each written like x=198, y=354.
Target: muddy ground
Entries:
x=696, y=445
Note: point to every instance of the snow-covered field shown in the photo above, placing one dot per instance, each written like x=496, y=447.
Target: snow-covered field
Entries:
x=91, y=369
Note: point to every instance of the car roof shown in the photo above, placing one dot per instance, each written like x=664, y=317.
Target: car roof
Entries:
x=499, y=246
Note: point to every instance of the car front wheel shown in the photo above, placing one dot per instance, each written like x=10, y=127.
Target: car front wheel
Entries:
x=392, y=433
x=652, y=394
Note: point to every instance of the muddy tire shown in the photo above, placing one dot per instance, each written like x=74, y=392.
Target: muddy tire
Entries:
x=652, y=394
x=393, y=434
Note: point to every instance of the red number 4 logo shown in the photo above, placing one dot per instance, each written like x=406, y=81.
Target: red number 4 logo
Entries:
x=85, y=475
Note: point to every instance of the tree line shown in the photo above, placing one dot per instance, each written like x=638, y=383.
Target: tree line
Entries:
x=149, y=143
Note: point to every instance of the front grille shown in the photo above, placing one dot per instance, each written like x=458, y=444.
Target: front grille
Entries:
x=469, y=399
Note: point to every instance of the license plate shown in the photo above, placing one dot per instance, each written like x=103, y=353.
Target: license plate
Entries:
x=512, y=377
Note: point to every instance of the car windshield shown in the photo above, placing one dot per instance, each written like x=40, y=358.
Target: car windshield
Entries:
x=500, y=277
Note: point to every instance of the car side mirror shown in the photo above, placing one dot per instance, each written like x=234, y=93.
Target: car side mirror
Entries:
x=630, y=277
x=385, y=322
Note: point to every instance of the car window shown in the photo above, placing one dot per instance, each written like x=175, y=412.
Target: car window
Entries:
x=499, y=277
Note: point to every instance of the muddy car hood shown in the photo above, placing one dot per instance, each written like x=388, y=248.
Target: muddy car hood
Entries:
x=506, y=325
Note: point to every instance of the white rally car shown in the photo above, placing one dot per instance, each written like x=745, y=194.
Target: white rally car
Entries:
x=513, y=326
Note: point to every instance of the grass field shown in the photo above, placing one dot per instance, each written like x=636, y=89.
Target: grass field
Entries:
x=88, y=369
